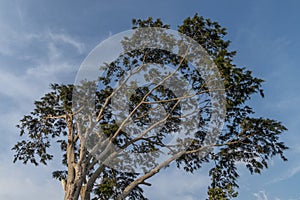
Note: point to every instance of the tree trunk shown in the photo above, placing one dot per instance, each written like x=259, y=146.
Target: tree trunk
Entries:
x=71, y=187
x=85, y=194
x=74, y=185
x=70, y=192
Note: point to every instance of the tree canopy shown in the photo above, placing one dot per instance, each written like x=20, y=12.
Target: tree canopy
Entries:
x=103, y=144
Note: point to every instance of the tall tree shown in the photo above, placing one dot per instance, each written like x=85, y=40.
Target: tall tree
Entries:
x=93, y=140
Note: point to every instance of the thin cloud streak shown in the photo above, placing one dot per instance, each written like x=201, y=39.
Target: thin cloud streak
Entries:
x=61, y=37
x=261, y=195
x=289, y=174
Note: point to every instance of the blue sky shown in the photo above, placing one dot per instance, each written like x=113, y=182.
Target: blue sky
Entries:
x=42, y=42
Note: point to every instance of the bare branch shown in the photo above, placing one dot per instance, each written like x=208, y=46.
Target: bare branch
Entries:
x=100, y=115
x=148, y=175
x=146, y=95
x=56, y=117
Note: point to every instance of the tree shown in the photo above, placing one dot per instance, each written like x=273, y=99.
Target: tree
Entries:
x=98, y=147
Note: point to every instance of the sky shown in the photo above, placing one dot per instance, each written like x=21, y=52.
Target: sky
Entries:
x=43, y=42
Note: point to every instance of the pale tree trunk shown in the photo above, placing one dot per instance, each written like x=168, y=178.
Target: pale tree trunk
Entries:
x=70, y=157
x=74, y=186
x=84, y=195
x=74, y=191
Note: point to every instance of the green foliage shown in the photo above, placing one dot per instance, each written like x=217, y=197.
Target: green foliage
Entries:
x=40, y=129
x=113, y=183
x=221, y=194
x=244, y=138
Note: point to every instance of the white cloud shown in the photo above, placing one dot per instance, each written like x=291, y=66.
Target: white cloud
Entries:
x=19, y=87
x=293, y=171
x=31, y=80
x=27, y=183
x=6, y=40
x=34, y=81
x=13, y=40
x=261, y=195
x=289, y=174
x=15, y=86
x=61, y=37
x=176, y=184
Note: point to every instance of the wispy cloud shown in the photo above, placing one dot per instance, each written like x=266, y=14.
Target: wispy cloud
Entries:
x=23, y=183
x=61, y=37
x=20, y=13
x=21, y=83
x=44, y=67
x=14, y=40
x=289, y=174
x=261, y=195
x=178, y=185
